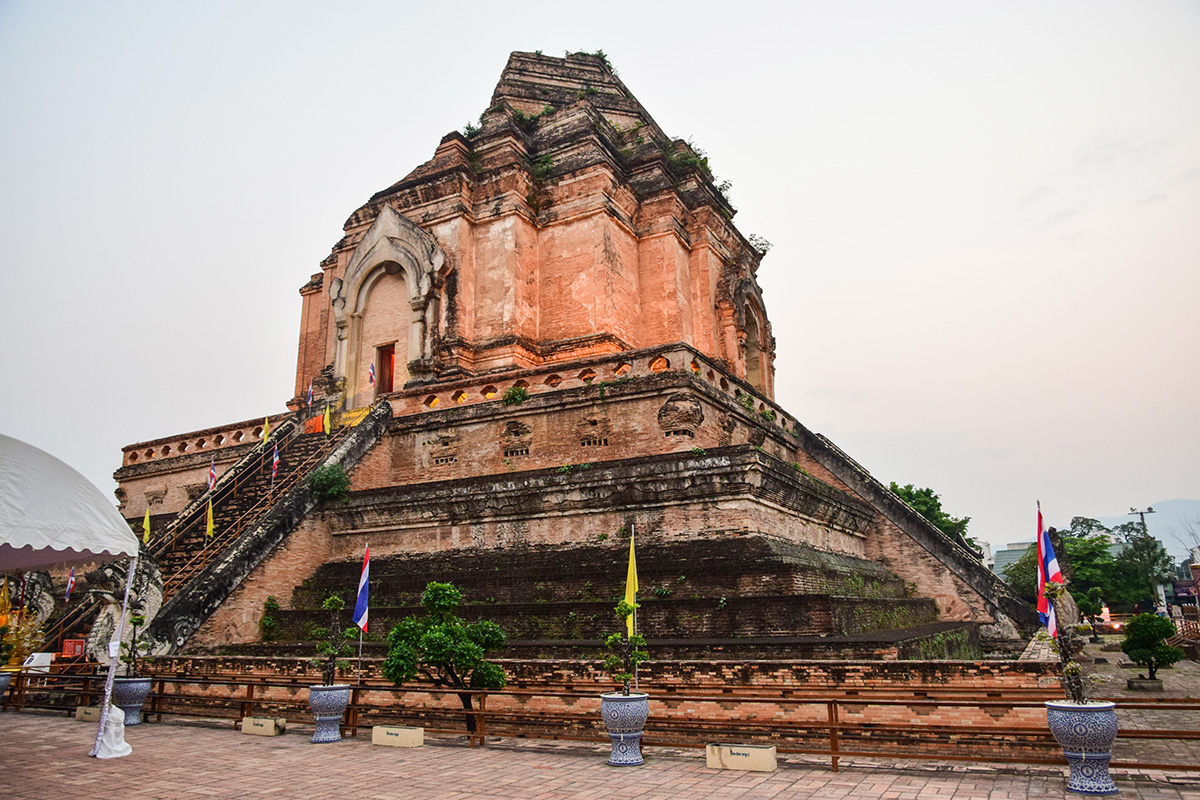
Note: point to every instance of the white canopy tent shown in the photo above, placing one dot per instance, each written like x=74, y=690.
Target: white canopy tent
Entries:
x=51, y=516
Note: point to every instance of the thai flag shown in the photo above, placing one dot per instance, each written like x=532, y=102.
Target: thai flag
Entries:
x=275, y=462
x=309, y=401
x=371, y=374
x=364, y=582
x=1048, y=571
x=212, y=474
x=70, y=586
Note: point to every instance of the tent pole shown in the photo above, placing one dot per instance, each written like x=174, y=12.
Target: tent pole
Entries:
x=113, y=657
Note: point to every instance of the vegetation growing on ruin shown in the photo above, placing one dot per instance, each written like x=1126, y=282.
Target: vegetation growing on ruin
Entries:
x=515, y=395
x=268, y=626
x=330, y=483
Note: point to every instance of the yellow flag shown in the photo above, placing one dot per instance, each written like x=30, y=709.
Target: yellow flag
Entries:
x=266, y=429
x=146, y=528
x=208, y=528
x=631, y=584
x=328, y=421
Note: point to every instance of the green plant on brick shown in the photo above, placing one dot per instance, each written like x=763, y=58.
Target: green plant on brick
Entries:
x=268, y=626
x=330, y=483
x=515, y=395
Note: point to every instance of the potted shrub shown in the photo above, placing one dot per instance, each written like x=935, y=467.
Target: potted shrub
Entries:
x=129, y=692
x=1085, y=729
x=624, y=712
x=446, y=650
x=1144, y=645
x=328, y=701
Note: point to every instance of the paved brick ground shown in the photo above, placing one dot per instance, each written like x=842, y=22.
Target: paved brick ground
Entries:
x=44, y=757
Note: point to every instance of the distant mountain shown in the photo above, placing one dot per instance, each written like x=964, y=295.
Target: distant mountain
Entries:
x=1168, y=524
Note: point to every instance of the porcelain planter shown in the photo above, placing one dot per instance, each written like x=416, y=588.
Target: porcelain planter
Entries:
x=328, y=704
x=128, y=694
x=5, y=680
x=625, y=716
x=1086, y=734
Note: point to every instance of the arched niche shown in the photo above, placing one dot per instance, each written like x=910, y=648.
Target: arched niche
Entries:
x=386, y=298
x=756, y=360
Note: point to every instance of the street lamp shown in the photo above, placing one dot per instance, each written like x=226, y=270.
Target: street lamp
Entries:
x=1142, y=514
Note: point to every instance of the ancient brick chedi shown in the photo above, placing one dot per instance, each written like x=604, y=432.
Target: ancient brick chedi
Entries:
x=563, y=338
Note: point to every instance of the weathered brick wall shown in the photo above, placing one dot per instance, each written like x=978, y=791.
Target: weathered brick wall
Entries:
x=733, y=617
x=165, y=474
x=293, y=562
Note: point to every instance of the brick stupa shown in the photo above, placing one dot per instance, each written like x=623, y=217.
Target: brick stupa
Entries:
x=547, y=336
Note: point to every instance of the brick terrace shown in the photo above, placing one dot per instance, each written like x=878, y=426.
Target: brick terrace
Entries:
x=46, y=757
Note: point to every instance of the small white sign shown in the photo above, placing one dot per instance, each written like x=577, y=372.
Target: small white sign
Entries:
x=114, y=648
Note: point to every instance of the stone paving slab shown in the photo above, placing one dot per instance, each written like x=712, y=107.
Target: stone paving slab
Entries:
x=44, y=757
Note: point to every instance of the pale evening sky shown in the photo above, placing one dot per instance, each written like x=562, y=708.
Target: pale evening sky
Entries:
x=985, y=216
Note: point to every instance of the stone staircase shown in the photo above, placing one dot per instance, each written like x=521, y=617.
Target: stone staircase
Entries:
x=253, y=512
x=188, y=550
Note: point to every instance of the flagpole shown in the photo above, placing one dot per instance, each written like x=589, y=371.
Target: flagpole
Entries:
x=632, y=540
x=360, y=656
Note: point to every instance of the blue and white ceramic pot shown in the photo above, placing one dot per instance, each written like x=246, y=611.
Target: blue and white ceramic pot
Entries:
x=625, y=716
x=1086, y=734
x=128, y=694
x=328, y=704
x=5, y=680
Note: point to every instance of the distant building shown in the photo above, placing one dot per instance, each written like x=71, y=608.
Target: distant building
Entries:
x=1008, y=556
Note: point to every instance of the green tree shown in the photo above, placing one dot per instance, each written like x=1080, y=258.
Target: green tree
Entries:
x=1083, y=527
x=445, y=650
x=1144, y=644
x=1091, y=606
x=1021, y=575
x=929, y=505
x=1086, y=563
x=1140, y=567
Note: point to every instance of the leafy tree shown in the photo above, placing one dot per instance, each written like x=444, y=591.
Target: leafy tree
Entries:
x=1083, y=527
x=1144, y=644
x=929, y=505
x=445, y=650
x=1091, y=606
x=1086, y=562
x=1143, y=564
x=1021, y=575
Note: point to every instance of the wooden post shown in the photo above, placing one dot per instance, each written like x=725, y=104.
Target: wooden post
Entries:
x=833, y=733
x=352, y=710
